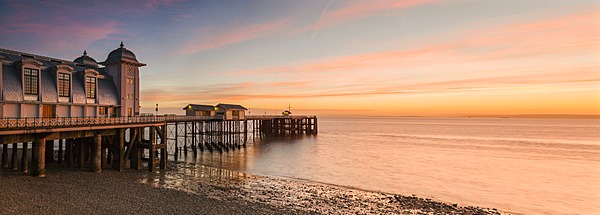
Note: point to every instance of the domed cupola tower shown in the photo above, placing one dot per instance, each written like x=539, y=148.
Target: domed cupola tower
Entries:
x=86, y=60
x=123, y=66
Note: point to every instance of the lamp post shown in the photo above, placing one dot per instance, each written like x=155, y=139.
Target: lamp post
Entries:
x=156, y=110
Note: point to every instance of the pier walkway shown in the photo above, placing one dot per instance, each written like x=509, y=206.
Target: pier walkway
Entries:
x=121, y=142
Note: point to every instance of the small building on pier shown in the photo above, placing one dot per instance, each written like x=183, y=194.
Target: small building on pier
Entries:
x=38, y=86
x=231, y=111
x=220, y=111
x=207, y=111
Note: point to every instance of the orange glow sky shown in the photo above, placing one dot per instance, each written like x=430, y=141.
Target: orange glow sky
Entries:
x=334, y=57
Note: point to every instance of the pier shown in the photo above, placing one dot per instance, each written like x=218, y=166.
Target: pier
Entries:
x=95, y=143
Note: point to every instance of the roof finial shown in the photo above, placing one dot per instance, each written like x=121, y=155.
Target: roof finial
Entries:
x=121, y=44
x=84, y=52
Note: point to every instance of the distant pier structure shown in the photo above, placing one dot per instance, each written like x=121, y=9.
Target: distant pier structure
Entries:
x=186, y=133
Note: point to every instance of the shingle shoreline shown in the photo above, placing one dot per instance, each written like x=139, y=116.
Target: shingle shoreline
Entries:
x=191, y=189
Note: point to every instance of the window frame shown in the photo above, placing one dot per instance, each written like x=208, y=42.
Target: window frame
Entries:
x=102, y=111
x=90, y=87
x=31, y=82
x=64, y=85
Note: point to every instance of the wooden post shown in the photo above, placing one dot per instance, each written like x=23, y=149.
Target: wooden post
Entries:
x=185, y=137
x=193, y=136
x=4, y=155
x=176, y=154
x=14, y=164
x=103, y=155
x=69, y=154
x=60, y=151
x=152, y=154
x=163, y=150
x=201, y=135
x=136, y=153
x=38, y=161
x=118, y=159
x=96, y=163
x=49, y=151
x=25, y=158
x=316, y=127
x=81, y=148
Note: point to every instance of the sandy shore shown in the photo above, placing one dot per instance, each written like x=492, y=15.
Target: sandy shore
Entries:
x=191, y=189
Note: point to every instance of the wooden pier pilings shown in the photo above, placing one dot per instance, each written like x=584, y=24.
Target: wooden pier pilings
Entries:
x=87, y=142
x=121, y=142
x=202, y=134
x=285, y=127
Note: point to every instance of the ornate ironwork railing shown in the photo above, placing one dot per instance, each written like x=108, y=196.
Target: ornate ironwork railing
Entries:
x=42, y=122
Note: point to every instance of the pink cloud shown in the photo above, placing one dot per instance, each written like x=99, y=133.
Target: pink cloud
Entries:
x=67, y=36
x=546, y=52
x=351, y=11
x=354, y=10
x=61, y=25
x=241, y=34
x=574, y=33
x=151, y=5
x=49, y=26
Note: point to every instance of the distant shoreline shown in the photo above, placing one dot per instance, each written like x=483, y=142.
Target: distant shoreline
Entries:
x=539, y=116
x=519, y=116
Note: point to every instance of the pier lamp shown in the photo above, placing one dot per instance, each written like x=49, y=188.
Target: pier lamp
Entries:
x=156, y=110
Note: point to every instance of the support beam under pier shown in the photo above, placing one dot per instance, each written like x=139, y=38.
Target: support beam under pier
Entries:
x=38, y=161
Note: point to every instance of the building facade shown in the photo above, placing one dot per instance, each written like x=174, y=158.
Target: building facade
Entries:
x=39, y=86
x=230, y=111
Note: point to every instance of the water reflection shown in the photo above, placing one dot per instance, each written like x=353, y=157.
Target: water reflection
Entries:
x=520, y=165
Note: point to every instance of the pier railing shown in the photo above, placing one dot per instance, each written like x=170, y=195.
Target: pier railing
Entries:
x=255, y=117
x=41, y=122
x=44, y=122
x=181, y=118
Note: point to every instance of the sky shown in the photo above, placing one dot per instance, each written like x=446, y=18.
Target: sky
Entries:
x=334, y=57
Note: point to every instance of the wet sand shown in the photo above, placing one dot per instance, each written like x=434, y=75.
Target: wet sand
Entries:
x=191, y=189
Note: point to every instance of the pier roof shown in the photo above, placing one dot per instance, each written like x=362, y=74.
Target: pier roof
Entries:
x=199, y=107
x=232, y=106
x=86, y=60
x=122, y=54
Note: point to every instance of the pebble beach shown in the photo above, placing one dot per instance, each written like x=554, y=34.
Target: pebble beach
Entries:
x=193, y=189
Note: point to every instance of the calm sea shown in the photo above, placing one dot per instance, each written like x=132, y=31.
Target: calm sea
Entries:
x=529, y=166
